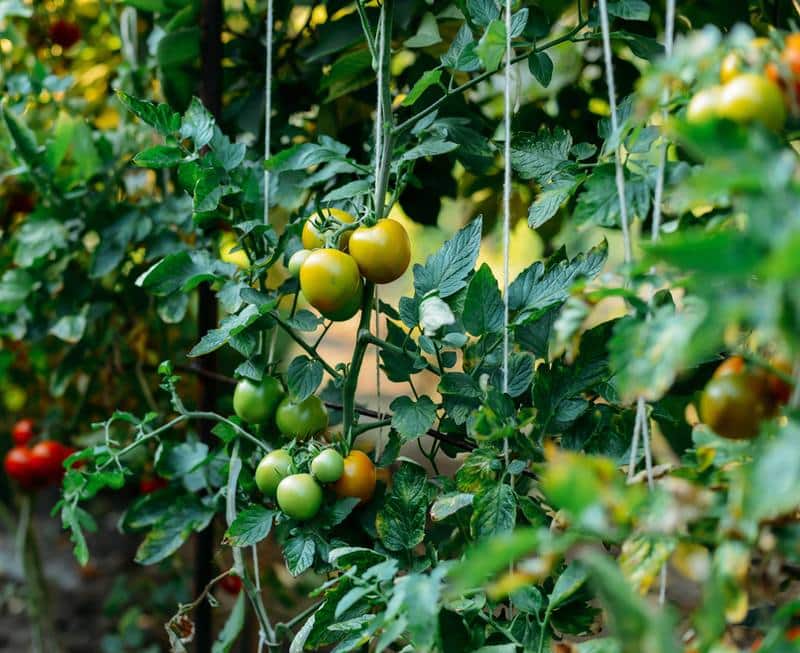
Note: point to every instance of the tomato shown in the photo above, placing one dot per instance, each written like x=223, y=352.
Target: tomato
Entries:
x=299, y=496
x=47, y=458
x=314, y=239
x=359, y=477
x=384, y=475
x=382, y=252
x=779, y=390
x=272, y=469
x=22, y=431
x=733, y=405
x=297, y=260
x=732, y=365
x=704, y=105
x=232, y=584
x=64, y=33
x=793, y=633
x=301, y=419
x=231, y=251
x=331, y=283
x=750, y=97
x=19, y=466
x=328, y=466
x=731, y=67
x=787, y=72
x=149, y=484
x=256, y=403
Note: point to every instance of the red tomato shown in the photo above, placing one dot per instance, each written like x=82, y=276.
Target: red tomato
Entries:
x=232, y=584
x=149, y=484
x=22, y=431
x=65, y=33
x=19, y=466
x=47, y=458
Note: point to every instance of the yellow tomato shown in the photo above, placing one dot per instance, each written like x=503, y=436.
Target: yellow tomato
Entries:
x=313, y=239
x=331, y=283
x=382, y=251
x=227, y=244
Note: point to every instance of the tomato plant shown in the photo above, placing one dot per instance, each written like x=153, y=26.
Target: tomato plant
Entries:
x=579, y=222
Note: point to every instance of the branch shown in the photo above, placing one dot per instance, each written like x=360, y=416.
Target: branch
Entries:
x=407, y=124
x=304, y=345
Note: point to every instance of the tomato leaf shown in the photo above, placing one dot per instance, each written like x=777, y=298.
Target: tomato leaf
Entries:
x=303, y=377
x=401, y=521
x=412, y=419
x=250, y=526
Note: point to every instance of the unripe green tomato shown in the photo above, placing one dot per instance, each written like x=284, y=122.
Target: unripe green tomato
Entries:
x=301, y=419
x=272, y=469
x=256, y=403
x=299, y=496
x=296, y=261
x=328, y=466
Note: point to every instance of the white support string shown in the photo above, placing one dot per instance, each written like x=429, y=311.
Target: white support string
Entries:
x=378, y=398
x=379, y=63
x=669, y=38
x=268, y=106
x=642, y=422
x=506, y=199
x=612, y=103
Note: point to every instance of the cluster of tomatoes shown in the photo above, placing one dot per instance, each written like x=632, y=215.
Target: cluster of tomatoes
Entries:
x=331, y=277
x=299, y=495
x=739, y=396
x=34, y=466
x=752, y=88
x=265, y=401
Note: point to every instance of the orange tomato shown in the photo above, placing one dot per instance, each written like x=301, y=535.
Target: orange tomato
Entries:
x=359, y=477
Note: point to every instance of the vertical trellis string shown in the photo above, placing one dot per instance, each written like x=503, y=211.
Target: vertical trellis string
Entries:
x=270, y=28
x=612, y=103
x=506, y=200
x=641, y=426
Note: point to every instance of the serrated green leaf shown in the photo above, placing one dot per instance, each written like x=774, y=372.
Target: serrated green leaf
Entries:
x=412, y=418
x=250, y=526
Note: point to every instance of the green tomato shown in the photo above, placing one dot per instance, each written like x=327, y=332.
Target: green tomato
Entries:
x=297, y=260
x=328, y=466
x=272, y=469
x=256, y=404
x=299, y=496
x=301, y=419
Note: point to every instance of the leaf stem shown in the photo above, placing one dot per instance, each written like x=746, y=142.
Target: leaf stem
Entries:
x=304, y=345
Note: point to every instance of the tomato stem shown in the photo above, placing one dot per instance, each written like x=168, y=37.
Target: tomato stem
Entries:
x=351, y=378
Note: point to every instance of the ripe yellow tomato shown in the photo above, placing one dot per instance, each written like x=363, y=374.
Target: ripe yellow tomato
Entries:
x=331, y=283
x=313, y=239
x=731, y=67
x=382, y=251
x=751, y=97
x=227, y=244
x=704, y=106
x=359, y=477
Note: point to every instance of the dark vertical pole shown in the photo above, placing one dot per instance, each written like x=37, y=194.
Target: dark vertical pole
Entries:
x=211, y=19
